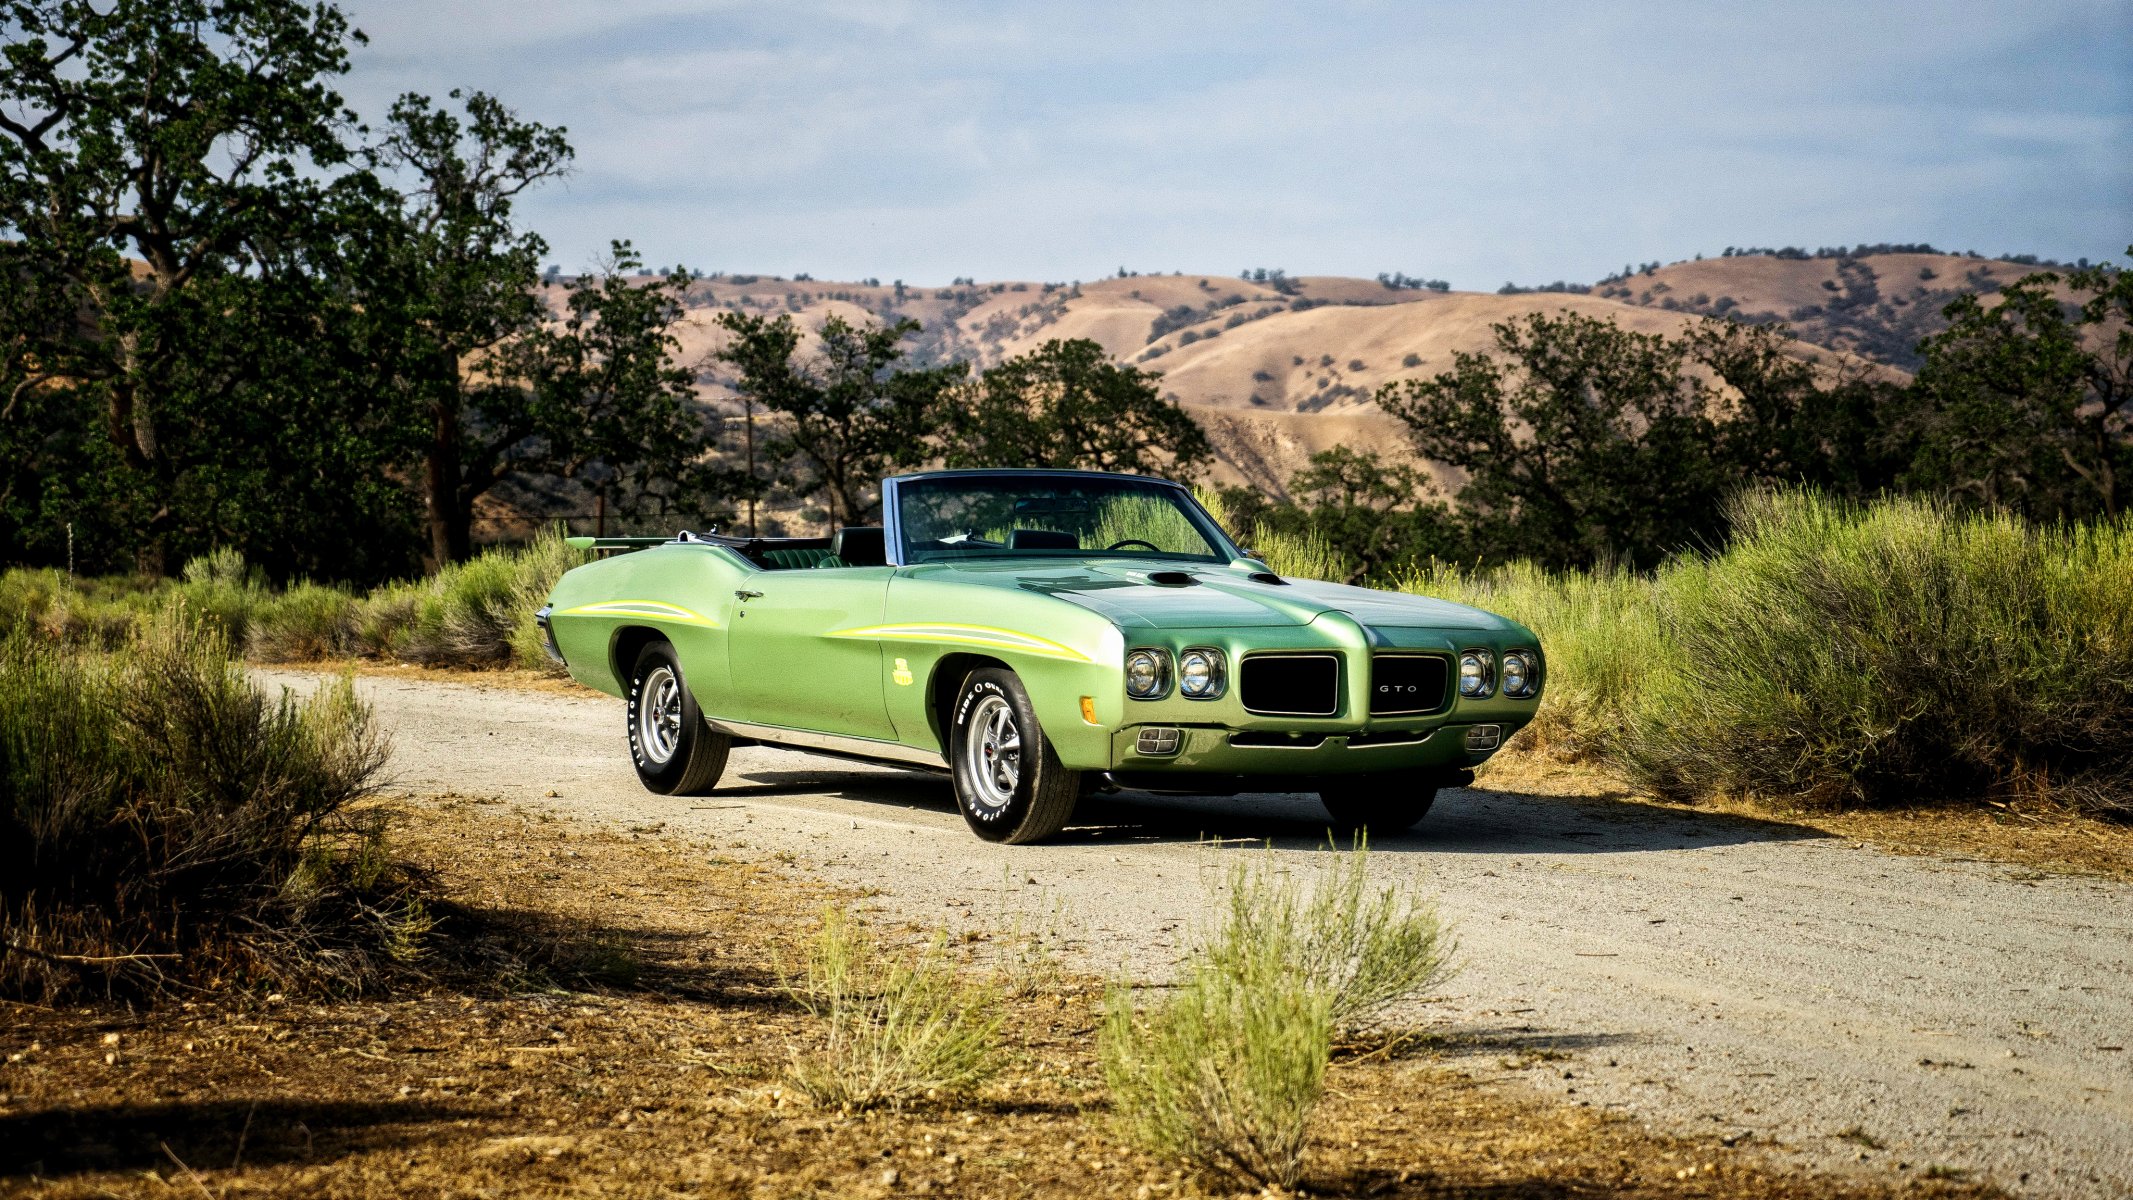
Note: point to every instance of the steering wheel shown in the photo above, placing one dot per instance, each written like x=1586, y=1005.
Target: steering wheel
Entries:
x=1120, y=545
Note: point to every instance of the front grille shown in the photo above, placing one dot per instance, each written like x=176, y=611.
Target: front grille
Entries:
x=1290, y=685
x=1409, y=684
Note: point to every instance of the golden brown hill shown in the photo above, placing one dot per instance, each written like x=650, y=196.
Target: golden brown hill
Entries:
x=1876, y=306
x=1279, y=371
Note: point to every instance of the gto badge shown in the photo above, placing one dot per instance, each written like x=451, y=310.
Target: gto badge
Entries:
x=902, y=673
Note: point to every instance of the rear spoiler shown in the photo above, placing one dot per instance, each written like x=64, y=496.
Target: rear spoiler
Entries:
x=614, y=544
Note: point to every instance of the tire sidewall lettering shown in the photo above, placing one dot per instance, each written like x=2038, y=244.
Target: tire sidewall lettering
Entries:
x=973, y=693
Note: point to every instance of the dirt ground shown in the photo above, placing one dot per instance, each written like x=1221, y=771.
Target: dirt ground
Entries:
x=1852, y=1008
x=621, y=1029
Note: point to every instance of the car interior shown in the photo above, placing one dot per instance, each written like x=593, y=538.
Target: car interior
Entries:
x=851, y=546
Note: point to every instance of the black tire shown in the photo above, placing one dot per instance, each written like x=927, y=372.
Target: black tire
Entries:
x=676, y=754
x=1378, y=804
x=1008, y=779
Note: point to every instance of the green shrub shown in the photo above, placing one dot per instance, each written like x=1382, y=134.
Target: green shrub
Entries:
x=1841, y=655
x=1223, y=1074
x=1844, y=656
x=161, y=816
x=1363, y=948
x=899, y=1025
x=306, y=623
x=1226, y=1071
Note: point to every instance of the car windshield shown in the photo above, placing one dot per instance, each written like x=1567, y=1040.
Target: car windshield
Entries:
x=1051, y=516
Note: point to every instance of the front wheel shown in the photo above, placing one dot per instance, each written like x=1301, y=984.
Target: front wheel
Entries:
x=1008, y=779
x=1378, y=804
x=676, y=753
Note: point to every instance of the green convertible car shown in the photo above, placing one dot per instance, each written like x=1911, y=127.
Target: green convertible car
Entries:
x=1041, y=635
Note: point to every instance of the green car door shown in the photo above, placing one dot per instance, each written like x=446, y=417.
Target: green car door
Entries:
x=801, y=654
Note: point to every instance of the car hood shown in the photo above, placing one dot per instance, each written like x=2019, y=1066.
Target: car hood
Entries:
x=1216, y=598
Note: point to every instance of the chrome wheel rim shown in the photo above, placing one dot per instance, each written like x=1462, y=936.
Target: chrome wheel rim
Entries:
x=659, y=715
x=992, y=755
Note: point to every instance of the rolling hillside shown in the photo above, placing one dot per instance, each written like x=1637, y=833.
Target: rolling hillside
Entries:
x=1279, y=370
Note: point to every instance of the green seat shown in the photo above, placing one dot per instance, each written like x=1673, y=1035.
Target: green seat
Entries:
x=793, y=560
x=831, y=563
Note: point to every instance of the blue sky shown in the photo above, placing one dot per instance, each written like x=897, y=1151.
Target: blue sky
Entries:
x=1477, y=142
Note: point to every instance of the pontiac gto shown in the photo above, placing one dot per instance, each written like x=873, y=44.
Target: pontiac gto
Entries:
x=1040, y=635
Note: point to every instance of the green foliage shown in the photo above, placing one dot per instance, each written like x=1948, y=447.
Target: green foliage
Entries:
x=1374, y=517
x=1066, y=404
x=1362, y=948
x=160, y=811
x=172, y=225
x=1847, y=657
x=1842, y=655
x=306, y=623
x=473, y=614
x=2028, y=403
x=1581, y=442
x=850, y=414
x=1585, y=444
x=898, y=1025
x=1225, y=1072
x=1299, y=554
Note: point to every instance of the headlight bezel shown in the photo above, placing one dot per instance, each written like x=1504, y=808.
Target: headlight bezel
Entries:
x=1484, y=676
x=1160, y=660
x=1531, y=673
x=1217, y=672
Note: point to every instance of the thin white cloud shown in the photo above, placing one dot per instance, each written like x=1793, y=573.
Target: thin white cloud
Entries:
x=1522, y=140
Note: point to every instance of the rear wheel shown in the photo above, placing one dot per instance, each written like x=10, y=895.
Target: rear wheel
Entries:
x=675, y=752
x=1008, y=779
x=1378, y=804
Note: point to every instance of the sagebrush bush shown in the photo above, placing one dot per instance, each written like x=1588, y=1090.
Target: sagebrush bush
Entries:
x=1226, y=1071
x=897, y=1024
x=1222, y=1074
x=1842, y=656
x=306, y=623
x=161, y=817
x=473, y=614
x=1362, y=947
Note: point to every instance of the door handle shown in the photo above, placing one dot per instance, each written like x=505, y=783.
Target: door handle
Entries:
x=745, y=594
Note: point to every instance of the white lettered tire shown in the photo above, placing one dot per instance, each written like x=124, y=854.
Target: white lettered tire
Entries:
x=1008, y=779
x=675, y=753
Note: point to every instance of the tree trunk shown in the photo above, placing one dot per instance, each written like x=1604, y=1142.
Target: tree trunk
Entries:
x=451, y=535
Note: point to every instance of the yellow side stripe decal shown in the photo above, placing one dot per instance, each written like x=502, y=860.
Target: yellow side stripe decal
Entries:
x=966, y=635
x=639, y=608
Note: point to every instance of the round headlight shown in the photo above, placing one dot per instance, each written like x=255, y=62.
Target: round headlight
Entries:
x=1477, y=674
x=1200, y=673
x=1520, y=673
x=1147, y=674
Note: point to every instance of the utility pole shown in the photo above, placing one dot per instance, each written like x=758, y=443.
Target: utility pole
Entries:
x=748, y=434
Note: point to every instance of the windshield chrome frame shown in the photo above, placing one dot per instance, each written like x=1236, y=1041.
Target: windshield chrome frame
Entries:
x=892, y=521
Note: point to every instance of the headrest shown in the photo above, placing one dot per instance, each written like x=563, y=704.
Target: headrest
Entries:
x=1042, y=539
x=860, y=546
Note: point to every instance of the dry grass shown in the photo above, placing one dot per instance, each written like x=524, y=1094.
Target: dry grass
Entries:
x=621, y=1030
x=898, y=1024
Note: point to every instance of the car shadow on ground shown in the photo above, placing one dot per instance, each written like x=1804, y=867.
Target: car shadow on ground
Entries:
x=1463, y=820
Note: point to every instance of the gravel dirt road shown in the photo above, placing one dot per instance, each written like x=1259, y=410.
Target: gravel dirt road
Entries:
x=1860, y=1010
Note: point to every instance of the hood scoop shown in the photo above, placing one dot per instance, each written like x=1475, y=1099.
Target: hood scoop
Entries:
x=1175, y=579
x=1267, y=577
